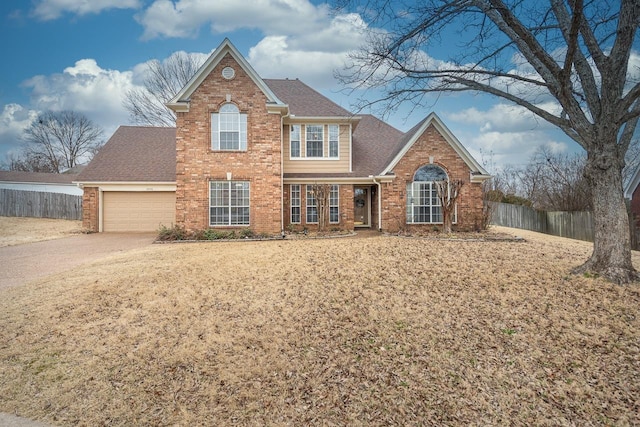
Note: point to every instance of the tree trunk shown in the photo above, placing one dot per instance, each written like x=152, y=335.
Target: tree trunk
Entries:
x=611, y=257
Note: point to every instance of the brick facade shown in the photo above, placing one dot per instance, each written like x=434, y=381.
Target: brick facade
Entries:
x=394, y=194
x=362, y=155
x=90, y=206
x=197, y=164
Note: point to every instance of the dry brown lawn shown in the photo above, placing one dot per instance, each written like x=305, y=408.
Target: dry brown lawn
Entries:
x=379, y=331
x=18, y=230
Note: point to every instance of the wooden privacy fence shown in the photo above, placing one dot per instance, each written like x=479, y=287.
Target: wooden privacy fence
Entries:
x=39, y=204
x=575, y=225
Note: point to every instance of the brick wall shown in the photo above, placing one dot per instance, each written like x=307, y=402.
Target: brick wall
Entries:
x=431, y=143
x=197, y=164
x=90, y=205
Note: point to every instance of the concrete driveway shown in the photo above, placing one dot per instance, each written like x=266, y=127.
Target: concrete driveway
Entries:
x=21, y=264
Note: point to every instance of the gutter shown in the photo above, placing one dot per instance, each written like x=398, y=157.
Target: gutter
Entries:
x=282, y=117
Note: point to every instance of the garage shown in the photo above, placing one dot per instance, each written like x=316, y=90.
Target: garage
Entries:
x=138, y=211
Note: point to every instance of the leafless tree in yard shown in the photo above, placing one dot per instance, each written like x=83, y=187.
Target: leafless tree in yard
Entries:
x=321, y=194
x=448, y=192
x=57, y=141
x=566, y=61
x=559, y=181
x=164, y=79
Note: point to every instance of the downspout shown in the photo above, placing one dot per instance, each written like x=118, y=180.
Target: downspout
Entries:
x=282, y=117
x=379, y=203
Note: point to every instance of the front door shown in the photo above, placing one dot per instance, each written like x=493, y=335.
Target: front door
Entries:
x=361, y=206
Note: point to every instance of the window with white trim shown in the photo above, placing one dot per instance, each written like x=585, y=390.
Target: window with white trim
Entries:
x=334, y=141
x=334, y=204
x=314, y=140
x=295, y=140
x=228, y=203
x=228, y=129
x=423, y=205
x=295, y=203
x=312, y=207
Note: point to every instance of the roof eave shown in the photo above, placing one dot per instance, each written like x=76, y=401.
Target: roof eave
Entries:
x=179, y=107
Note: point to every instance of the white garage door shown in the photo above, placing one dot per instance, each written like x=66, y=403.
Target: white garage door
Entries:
x=138, y=211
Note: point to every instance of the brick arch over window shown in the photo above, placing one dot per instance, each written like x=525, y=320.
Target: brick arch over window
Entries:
x=431, y=173
x=423, y=205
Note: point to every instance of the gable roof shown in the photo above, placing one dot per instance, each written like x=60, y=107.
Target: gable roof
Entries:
x=180, y=102
x=304, y=101
x=416, y=132
x=37, y=177
x=134, y=153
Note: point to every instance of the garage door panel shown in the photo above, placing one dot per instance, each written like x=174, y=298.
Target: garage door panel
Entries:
x=138, y=211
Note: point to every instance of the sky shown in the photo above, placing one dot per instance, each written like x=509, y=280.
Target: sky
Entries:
x=84, y=55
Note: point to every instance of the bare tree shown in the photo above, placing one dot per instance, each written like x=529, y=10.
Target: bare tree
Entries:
x=560, y=184
x=566, y=61
x=448, y=192
x=29, y=163
x=163, y=80
x=321, y=194
x=60, y=140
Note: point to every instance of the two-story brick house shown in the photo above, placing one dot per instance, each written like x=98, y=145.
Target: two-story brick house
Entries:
x=247, y=152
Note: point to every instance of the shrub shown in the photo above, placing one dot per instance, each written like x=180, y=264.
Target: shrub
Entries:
x=175, y=232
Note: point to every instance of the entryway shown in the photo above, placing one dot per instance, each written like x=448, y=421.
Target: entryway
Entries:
x=362, y=207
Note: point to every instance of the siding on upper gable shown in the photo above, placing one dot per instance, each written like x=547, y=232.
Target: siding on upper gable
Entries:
x=197, y=164
x=394, y=194
x=312, y=165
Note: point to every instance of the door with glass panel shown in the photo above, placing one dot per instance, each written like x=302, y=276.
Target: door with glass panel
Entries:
x=361, y=206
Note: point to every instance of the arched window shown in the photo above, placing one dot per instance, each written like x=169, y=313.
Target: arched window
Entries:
x=423, y=205
x=228, y=129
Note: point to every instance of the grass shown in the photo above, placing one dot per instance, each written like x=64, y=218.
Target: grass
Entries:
x=379, y=331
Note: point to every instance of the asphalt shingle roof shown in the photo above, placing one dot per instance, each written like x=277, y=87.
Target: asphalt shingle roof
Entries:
x=135, y=153
x=37, y=177
x=304, y=101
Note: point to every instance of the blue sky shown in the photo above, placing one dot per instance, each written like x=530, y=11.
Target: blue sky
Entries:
x=85, y=54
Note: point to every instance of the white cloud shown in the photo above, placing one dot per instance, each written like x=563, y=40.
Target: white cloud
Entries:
x=183, y=18
x=14, y=119
x=87, y=88
x=502, y=118
x=47, y=10
x=273, y=58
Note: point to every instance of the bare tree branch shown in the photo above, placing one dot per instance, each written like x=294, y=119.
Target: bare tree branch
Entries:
x=61, y=140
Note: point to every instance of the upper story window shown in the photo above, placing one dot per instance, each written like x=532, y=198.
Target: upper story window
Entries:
x=315, y=140
x=229, y=129
x=295, y=140
x=334, y=140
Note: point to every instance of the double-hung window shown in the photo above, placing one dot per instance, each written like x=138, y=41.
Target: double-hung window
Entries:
x=423, y=204
x=315, y=140
x=312, y=207
x=334, y=138
x=295, y=203
x=334, y=205
x=295, y=140
x=228, y=129
x=228, y=203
